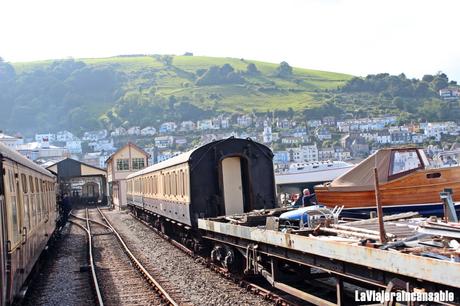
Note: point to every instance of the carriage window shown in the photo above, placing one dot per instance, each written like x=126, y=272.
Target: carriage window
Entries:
x=172, y=183
x=186, y=191
x=184, y=183
x=138, y=163
x=404, y=161
x=122, y=164
x=31, y=184
x=24, y=183
x=13, y=182
x=168, y=184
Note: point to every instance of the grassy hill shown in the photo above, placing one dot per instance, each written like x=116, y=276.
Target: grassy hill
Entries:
x=89, y=93
x=178, y=80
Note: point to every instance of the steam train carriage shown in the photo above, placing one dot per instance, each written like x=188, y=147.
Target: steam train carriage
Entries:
x=224, y=177
x=28, y=215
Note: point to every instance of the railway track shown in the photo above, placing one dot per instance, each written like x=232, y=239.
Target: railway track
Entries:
x=118, y=276
x=279, y=298
x=63, y=274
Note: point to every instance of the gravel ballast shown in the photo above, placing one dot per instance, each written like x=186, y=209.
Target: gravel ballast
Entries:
x=196, y=283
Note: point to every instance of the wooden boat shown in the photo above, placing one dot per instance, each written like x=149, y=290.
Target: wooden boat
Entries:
x=406, y=183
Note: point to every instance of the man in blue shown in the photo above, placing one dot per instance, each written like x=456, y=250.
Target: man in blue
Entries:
x=66, y=207
x=306, y=199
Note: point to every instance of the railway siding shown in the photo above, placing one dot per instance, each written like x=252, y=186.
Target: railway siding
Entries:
x=198, y=284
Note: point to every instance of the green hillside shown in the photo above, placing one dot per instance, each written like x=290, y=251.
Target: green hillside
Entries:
x=91, y=93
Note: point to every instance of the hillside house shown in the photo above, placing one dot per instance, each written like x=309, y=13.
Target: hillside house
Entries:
x=244, y=121
x=134, y=131
x=119, y=131
x=314, y=123
x=168, y=127
x=323, y=134
x=204, y=125
x=280, y=157
x=95, y=135
x=163, y=142
x=74, y=146
x=148, y=131
x=64, y=136
x=267, y=135
x=187, y=126
x=329, y=120
x=450, y=93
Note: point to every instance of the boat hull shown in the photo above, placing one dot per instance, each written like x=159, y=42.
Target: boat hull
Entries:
x=418, y=191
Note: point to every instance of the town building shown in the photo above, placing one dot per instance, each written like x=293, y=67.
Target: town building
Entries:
x=95, y=135
x=163, y=142
x=168, y=127
x=83, y=183
x=119, y=131
x=148, y=131
x=64, y=136
x=11, y=141
x=43, y=151
x=187, y=126
x=48, y=137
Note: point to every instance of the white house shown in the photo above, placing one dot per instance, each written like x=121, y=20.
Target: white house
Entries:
x=267, y=135
x=64, y=136
x=203, y=125
x=148, y=131
x=418, y=138
x=186, y=126
x=383, y=137
x=102, y=145
x=244, y=121
x=10, y=141
x=314, y=123
x=74, y=146
x=134, y=130
x=181, y=141
x=306, y=153
x=323, y=134
x=326, y=153
x=119, y=131
x=48, y=137
x=167, y=127
x=225, y=123
x=95, y=135
x=164, y=141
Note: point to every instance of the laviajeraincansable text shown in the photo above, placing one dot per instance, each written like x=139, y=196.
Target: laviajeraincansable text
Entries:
x=404, y=296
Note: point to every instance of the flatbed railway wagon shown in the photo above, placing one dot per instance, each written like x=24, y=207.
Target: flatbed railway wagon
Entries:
x=28, y=214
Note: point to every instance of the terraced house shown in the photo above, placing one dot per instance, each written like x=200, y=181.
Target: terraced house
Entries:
x=120, y=164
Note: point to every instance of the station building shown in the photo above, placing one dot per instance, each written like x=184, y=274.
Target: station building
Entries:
x=128, y=159
x=85, y=184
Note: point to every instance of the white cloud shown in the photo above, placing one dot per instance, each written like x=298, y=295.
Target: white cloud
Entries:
x=356, y=36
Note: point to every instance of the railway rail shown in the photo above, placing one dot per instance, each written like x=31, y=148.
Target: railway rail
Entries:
x=268, y=294
x=61, y=272
x=118, y=276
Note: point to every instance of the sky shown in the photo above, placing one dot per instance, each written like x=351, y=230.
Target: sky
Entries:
x=358, y=37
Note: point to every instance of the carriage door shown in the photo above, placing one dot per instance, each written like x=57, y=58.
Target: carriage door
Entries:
x=232, y=185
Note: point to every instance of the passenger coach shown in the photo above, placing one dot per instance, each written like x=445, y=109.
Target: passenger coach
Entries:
x=28, y=216
x=225, y=177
